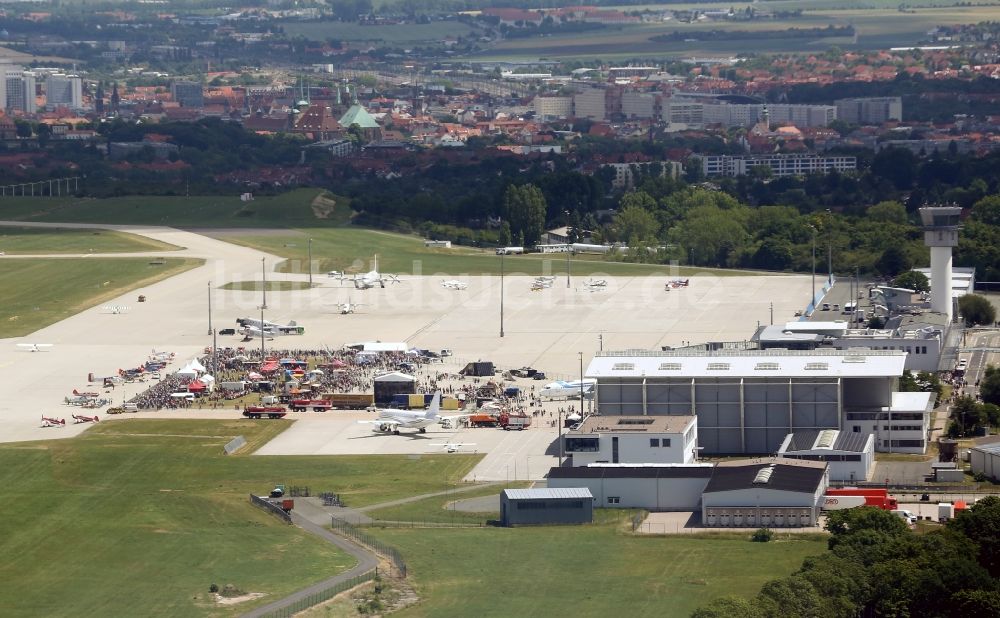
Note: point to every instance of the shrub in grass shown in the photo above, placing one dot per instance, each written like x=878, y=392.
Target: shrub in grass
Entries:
x=762, y=535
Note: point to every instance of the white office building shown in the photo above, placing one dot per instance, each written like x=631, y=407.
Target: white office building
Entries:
x=748, y=401
x=633, y=440
x=63, y=91
x=20, y=91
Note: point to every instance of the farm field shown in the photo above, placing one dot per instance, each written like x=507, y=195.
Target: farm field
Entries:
x=139, y=517
x=284, y=210
x=35, y=241
x=352, y=249
x=876, y=28
x=71, y=285
x=592, y=570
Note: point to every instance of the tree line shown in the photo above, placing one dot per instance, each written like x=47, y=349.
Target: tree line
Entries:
x=877, y=566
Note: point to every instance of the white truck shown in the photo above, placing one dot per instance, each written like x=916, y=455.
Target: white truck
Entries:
x=510, y=250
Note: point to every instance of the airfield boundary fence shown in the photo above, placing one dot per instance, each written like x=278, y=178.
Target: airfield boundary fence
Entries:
x=386, y=551
x=399, y=523
x=273, y=509
x=321, y=596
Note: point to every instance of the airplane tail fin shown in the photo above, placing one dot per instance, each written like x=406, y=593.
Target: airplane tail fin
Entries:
x=432, y=411
x=292, y=323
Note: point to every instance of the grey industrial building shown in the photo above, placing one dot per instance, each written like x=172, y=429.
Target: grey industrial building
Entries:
x=748, y=401
x=985, y=459
x=771, y=492
x=850, y=456
x=655, y=487
x=546, y=506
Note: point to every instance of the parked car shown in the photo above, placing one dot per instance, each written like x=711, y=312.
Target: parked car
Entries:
x=227, y=331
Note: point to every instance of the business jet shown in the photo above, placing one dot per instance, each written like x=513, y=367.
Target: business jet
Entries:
x=391, y=421
x=35, y=347
x=454, y=284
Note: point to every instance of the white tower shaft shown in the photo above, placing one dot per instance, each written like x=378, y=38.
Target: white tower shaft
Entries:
x=941, y=280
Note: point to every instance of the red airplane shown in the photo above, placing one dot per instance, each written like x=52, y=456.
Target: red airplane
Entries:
x=87, y=394
x=53, y=422
x=79, y=418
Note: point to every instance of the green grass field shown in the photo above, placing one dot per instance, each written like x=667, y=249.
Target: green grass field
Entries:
x=71, y=285
x=38, y=241
x=352, y=249
x=285, y=210
x=138, y=517
x=584, y=571
x=437, y=509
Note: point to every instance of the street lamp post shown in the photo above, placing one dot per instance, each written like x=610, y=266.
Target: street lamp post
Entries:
x=581, y=383
x=209, y=307
x=263, y=287
x=501, y=293
x=568, y=252
x=262, y=334
x=813, y=264
x=310, y=262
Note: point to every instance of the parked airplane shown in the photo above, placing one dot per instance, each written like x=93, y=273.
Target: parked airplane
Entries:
x=35, y=347
x=565, y=390
x=116, y=309
x=53, y=422
x=677, y=283
x=91, y=394
x=391, y=421
x=79, y=418
x=596, y=283
x=542, y=283
x=453, y=447
x=270, y=328
x=368, y=280
x=349, y=307
x=454, y=284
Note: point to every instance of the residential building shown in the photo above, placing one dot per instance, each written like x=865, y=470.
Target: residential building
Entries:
x=188, y=94
x=553, y=108
x=590, y=103
x=20, y=91
x=779, y=164
x=625, y=173
x=682, y=113
x=871, y=110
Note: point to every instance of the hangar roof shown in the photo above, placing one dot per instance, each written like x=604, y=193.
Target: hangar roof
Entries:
x=634, y=424
x=773, y=473
x=747, y=364
x=825, y=440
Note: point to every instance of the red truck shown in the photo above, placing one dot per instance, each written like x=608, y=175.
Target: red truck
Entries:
x=873, y=497
x=262, y=411
x=483, y=420
x=515, y=421
x=317, y=405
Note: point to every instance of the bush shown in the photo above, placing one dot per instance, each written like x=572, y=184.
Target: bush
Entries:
x=213, y=588
x=762, y=535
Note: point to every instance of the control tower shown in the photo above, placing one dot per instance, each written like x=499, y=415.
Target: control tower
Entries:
x=941, y=227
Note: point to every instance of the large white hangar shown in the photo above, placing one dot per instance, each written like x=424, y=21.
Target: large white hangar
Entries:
x=747, y=401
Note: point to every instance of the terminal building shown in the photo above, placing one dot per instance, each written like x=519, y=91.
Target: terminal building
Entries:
x=747, y=401
x=921, y=341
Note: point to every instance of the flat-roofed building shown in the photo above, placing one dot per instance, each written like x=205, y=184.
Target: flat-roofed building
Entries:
x=869, y=110
x=633, y=440
x=553, y=108
x=747, y=401
x=779, y=164
x=590, y=103
x=849, y=455
x=546, y=506
x=655, y=487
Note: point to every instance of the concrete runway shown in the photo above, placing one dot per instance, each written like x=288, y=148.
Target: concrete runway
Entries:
x=544, y=329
